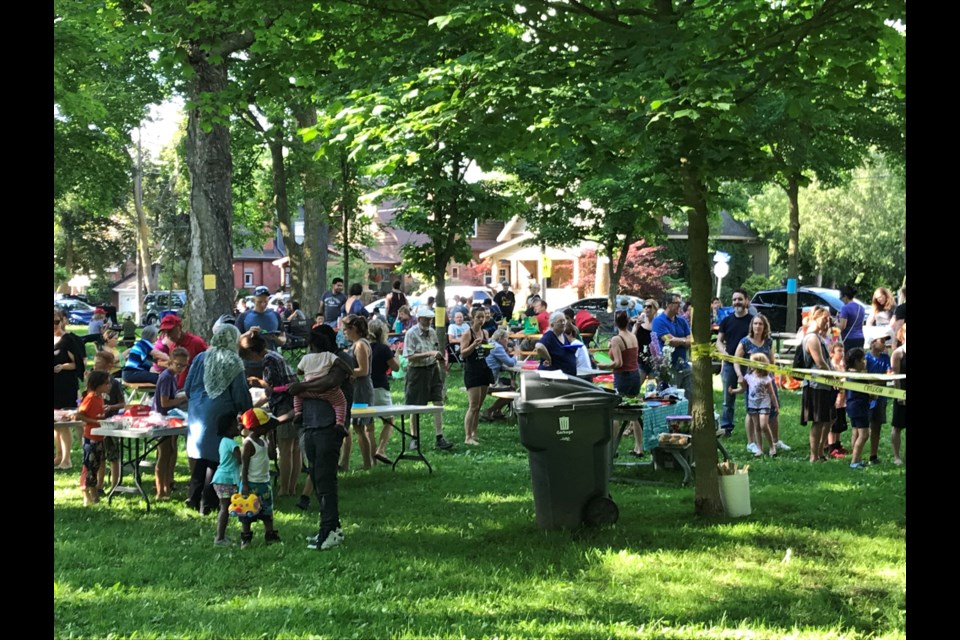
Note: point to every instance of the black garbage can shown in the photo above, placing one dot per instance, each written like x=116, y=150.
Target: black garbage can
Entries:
x=565, y=424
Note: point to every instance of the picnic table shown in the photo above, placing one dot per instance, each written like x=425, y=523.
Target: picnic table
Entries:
x=402, y=410
x=139, y=392
x=135, y=444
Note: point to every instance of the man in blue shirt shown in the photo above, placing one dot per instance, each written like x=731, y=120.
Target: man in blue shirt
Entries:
x=672, y=329
x=331, y=301
x=263, y=321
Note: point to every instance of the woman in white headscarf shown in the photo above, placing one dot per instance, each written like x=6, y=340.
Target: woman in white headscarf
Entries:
x=217, y=389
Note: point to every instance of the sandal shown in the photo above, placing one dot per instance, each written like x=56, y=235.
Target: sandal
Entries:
x=382, y=458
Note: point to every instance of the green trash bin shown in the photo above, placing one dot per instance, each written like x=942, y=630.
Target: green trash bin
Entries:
x=565, y=425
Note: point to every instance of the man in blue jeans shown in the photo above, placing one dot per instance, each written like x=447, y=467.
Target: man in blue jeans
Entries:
x=733, y=329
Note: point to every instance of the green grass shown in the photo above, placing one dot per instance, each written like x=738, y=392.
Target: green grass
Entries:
x=457, y=554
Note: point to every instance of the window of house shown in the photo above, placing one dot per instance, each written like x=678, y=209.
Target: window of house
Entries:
x=454, y=272
x=248, y=277
x=474, y=228
x=502, y=274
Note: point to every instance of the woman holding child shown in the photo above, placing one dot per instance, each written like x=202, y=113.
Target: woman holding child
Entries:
x=758, y=340
x=216, y=386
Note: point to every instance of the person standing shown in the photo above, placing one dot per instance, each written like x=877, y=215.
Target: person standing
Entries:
x=215, y=387
x=423, y=381
x=331, y=302
x=674, y=330
x=851, y=320
x=172, y=335
x=532, y=299
x=261, y=320
x=625, y=361
x=818, y=404
x=395, y=300
x=476, y=374
x=506, y=300
x=733, y=329
x=642, y=328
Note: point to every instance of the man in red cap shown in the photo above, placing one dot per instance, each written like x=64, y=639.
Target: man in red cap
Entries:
x=172, y=336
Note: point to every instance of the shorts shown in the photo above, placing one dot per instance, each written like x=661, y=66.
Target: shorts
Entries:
x=858, y=412
x=840, y=424
x=423, y=385
x=763, y=411
x=92, y=458
x=224, y=491
x=111, y=449
x=878, y=411
x=899, y=420
x=818, y=405
x=286, y=430
x=382, y=398
x=263, y=491
x=627, y=383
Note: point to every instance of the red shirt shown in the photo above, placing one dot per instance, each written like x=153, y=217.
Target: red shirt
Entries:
x=92, y=407
x=194, y=344
x=543, y=319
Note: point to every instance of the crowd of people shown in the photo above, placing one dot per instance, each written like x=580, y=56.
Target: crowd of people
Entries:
x=351, y=357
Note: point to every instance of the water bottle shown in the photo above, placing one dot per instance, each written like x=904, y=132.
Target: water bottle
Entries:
x=397, y=326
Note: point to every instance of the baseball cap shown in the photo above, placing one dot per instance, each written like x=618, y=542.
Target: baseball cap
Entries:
x=170, y=321
x=504, y=283
x=253, y=418
x=426, y=312
x=261, y=291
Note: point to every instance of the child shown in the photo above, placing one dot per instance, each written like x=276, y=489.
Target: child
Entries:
x=114, y=403
x=877, y=362
x=858, y=408
x=760, y=401
x=91, y=409
x=226, y=479
x=255, y=474
x=834, y=445
x=898, y=362
x=164, y=399
x=316, y=365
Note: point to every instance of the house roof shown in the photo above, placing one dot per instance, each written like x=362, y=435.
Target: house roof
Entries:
x=730, y=229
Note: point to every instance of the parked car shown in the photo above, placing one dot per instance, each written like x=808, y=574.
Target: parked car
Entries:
x=598, y=304
x=378, y=307
x=773, y=304
x=156, y=302
x=78, y=312
x=476, y=293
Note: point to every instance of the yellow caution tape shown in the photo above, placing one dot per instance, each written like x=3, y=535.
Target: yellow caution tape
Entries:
x=839, y=383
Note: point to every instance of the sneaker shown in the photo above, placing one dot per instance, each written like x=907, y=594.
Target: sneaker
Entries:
x=782, y=446
x=272, y=536
x=443, y=443
x=303, y=502
x=223, y=542
x=753, y=448
x=838, y=454
x=414, y=444
x=897, y=461
x=330, y=540
x=857, y=465
x=773, y=452
x=874, y=460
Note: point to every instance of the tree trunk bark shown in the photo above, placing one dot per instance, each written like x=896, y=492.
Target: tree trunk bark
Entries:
x=143, y=231
x=211, y=201
x=287, y=230
x=793, y=249
x=316, y=230
x=707, y=494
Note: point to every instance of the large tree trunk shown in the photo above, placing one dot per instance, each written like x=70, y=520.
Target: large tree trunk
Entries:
x=149, y=279
x=793, y=249
x=316, y=231
x=211, y=201
x=707, y=496
x=282, y=205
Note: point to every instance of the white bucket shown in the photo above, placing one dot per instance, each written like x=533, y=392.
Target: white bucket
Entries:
x=735, y=494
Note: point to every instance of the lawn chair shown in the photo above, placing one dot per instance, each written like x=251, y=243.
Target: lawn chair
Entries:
x=453, y=355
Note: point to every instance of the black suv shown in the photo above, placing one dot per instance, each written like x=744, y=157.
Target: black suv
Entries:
x=156, y=302
x=773, y=304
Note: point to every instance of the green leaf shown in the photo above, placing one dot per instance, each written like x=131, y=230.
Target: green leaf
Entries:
x=440, y=21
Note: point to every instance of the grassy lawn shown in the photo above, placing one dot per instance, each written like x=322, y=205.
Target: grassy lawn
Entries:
x=457, y=554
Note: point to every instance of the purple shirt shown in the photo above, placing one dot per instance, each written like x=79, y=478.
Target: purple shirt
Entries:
x=166, y=388
x=853, y=312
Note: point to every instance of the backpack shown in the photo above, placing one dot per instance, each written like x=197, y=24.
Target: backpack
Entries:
x=800, y=354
